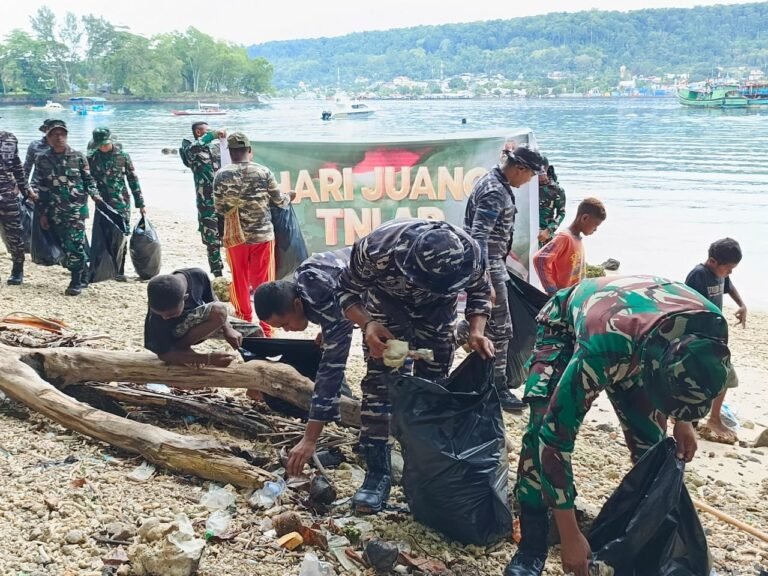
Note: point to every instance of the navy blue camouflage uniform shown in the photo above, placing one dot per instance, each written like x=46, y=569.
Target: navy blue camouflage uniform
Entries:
x=317, y=282
x=12, y=183
x=422, y=314
x=490, y=218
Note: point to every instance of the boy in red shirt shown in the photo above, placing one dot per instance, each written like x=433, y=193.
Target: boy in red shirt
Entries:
x=561, y=263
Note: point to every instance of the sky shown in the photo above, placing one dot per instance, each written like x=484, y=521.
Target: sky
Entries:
x=253, y=21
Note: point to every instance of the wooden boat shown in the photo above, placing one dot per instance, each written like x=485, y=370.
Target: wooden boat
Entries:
x=203, y=109
x=721, y=96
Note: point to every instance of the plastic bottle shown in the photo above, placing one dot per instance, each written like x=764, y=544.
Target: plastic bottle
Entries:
x=269, y=494
x=311, y=566
x=217, y=524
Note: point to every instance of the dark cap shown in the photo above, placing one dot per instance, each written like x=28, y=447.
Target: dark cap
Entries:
x=101, y=136
x=53, y=124
x=238, y=140
x=526, y=157
x=44, y=125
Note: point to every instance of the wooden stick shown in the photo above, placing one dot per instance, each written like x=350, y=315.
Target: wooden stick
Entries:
x=704, y=507
x=201, y=456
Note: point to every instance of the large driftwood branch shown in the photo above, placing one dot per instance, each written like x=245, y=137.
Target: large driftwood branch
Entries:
x=64, y=366
x=203, y=457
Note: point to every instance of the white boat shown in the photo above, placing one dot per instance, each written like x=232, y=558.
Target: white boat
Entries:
x=203, y=109
x=50, y=106
x=348, y=108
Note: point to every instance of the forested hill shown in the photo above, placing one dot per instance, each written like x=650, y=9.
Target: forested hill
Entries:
x=584, y=44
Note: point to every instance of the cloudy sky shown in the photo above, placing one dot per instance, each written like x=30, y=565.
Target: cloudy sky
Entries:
x=254, y=21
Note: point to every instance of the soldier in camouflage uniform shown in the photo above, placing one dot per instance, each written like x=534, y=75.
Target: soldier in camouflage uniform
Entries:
x=490, y=220
x=312, y=296
x=551, y=204
x=63, y=181
x=244, y=193
x=12, y=183
x=410, y=273
x=35, y=149
x=110, y=167
x=655, y=346
x=204, y=159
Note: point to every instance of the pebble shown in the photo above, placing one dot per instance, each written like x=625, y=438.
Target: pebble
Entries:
x=75, y=537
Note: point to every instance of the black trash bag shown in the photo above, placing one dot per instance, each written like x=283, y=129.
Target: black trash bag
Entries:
x=290, y=247
x=46, y=248
x=303, y=355
x=454, y=448
x=525, y=303
x=108, y=242
x=146, y=252
x=649, y=527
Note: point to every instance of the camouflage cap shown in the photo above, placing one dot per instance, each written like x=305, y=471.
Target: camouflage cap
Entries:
x=436, y=256
x=238, y=140
x=526, y=157
x=101, y=137
x=44, y=125
x=54, y=124
x=684, y=376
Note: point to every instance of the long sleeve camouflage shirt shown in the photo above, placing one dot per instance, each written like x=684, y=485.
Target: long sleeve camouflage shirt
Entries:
x=317, y=281
x=11, y=170
x=372, y=265
x=251, y=189
x=110, y=170
x=64, y=183
x=203, y=157
x=35, y=149
x=490, y=218
x=551, y=206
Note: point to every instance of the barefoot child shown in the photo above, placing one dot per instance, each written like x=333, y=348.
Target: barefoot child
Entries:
x=561, y=263
x=712, y=280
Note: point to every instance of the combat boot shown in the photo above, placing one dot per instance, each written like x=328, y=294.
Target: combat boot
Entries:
x=84, y=278
x=509, y=402
x=75, y=286
x=374, y=493
x=532, y=551
x=17, y=274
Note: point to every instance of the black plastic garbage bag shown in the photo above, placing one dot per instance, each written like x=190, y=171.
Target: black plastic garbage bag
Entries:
x=454, y=448
x=649, y=527
x=525, y=303
x=303, y=355
x=46, y=248
x=290, y=247
x=108, y=242
x=146, y=252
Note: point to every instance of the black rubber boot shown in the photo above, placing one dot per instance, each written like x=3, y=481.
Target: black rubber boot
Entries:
x=17, y=274
x=510, y=402
x=532, y=551
x=374, y=493
x=75, y=286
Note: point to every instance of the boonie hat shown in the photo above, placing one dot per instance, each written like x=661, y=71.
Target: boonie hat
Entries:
x=238, y=140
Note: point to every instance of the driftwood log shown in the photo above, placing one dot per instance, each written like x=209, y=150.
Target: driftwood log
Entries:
x=32, y=376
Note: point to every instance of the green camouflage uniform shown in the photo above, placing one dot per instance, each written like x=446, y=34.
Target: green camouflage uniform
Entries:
x=64, y=183
x=551, y=208
x=655, y=346
x=110, y=171
x=204, y=159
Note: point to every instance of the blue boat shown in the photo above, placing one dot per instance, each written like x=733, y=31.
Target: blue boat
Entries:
x=84, y=105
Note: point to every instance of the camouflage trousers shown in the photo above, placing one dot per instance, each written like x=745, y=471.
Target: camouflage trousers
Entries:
x=544, y=473
x=71, y=235
x=13, y=231
x=210, y=226
x=423, y=327
x=499, y=327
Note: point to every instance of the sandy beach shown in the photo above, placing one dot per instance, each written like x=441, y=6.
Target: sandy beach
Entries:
x=33, y=450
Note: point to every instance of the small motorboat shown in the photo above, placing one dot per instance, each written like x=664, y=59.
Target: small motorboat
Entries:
x=203, y=109
x=84, y=105
x=348, y=108
x=50, y=106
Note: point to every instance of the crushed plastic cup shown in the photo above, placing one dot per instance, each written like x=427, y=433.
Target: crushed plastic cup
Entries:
x=159, y=388
x=217, y=524
x=729, y=418
x=217, y=498
x=311, y=566
x=268, y=495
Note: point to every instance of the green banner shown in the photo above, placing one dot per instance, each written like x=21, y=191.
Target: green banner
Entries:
x=346, y=189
